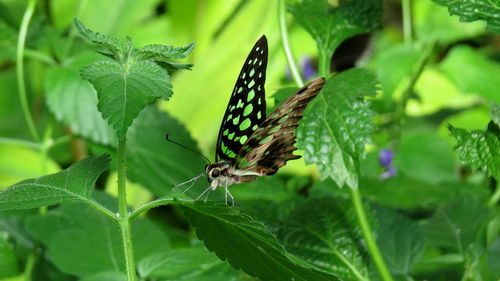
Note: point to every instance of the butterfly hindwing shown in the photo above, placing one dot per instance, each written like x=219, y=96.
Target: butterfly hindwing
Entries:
x=247, y=106
x=273, y=143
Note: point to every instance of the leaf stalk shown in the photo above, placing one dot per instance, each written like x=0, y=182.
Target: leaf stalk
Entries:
x=286, y=45
x=368, y=236
x=123, y=215
x=23, y=30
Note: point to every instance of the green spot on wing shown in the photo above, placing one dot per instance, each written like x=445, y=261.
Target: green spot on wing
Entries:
x=226, y=132
x=230, y=136
x=251, y=95
x=240, y=104
x=248, y=109
x=240, y=89
x=252, y=72
x=255, y=127
x=250, y=85
x=245, y=124
x=236, y=120
x=243, y=139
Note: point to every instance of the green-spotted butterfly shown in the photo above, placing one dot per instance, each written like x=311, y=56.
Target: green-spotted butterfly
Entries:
x=250, y=145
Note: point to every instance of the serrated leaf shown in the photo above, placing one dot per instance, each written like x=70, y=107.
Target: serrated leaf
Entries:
x=73, y=184
x=74, y=228
x=472, y=10
x=124, y=92
x=473, y=72
x=246, y=244
x=155, y=163
x=495, y=113
x=163, y=52
x=74, y=102
x=112, y=44
x=400, y=241
x=330, y=24
x=479, y=149
x=337, y=124
x=322, y=232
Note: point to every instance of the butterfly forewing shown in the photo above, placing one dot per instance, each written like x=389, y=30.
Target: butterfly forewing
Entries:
x=247, y=106
x=273, y=143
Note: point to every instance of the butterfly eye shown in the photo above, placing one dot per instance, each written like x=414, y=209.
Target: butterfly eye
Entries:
x=215, y=173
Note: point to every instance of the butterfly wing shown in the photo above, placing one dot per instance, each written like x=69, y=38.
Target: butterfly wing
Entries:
x=273, y=143
x=247, y=106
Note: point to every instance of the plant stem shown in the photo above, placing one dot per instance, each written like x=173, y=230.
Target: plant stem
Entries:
x=496, y=196
x=286, y=45
x=368, y=235
x=71, y=35
x=323, y=62
x=20, y=68
x=123, y=215
x=407, y=21
x=28, y=268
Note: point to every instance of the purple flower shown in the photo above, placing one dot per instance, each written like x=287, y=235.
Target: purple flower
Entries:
x=385, y=157
x=390, y=172
x=308, y=70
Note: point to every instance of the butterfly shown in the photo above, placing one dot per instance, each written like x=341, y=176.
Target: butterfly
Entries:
x=249, y=145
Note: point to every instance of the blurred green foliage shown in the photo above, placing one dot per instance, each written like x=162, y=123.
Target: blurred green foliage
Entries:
x=425, y=88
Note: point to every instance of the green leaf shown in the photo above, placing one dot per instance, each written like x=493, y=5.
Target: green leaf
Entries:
x=110, y=43
x=330, y=24
x=455, y=225
x=106, y=276
x=74, y=102
x=323, y=233
x=8, y=259
x=472, y=10
x=155, y=163
x=74, y=228
x=337, y=125
x=124, y=91
x=163, y=52
x=400, y=240
x=432, y=22
x=178, y=264
x=473, y=72
x=246, y=244
x=479, y=149
x=73, y=184
x=413, y=158
x=495, y=113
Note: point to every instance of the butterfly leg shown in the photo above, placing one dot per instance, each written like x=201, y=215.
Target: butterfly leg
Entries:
x=193, y=180
x=206, y=190
x=230, y=195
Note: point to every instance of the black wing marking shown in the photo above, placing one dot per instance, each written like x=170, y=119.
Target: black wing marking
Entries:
x=247, y=106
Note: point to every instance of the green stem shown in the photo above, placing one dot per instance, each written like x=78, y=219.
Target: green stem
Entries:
x=34, y=54
x=407, y=21
x=123, y=217
x=496, y=196
x=23, y=30
x=25, y=143
x=368, y=235
x=286, y=46
x=28, y=268
x=407, y=91
x=323, y=62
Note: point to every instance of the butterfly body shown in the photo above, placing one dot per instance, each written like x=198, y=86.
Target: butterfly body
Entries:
x=249, y=144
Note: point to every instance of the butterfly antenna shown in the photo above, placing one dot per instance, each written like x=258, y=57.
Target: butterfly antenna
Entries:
x=187, y=148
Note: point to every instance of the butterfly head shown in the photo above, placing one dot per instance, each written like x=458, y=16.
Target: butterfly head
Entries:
x=218, y=173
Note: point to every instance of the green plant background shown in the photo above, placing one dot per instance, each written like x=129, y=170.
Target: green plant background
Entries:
x=432, y=82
